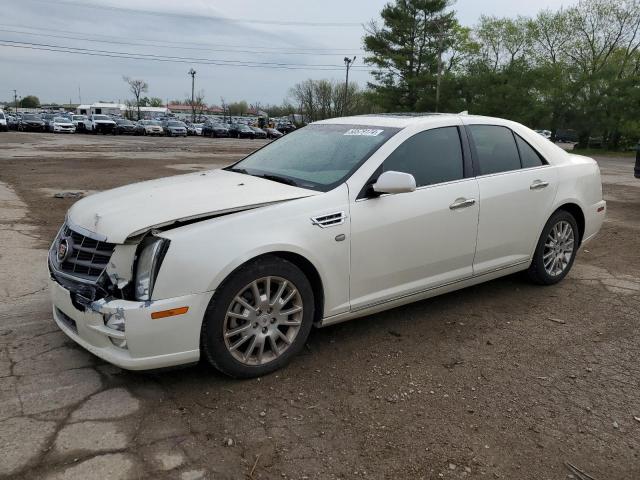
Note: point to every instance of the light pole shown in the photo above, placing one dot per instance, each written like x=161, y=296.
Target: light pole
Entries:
x=15, y=101
x=347, y=62
x=192, y=72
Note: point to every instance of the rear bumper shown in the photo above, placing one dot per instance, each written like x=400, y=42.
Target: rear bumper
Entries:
x=151, y=343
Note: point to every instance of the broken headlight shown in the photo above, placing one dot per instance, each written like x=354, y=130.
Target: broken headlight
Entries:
x=149, y=260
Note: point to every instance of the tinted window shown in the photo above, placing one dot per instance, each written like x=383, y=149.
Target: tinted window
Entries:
x=496, y=149
x=433, y=156
x=530, y=158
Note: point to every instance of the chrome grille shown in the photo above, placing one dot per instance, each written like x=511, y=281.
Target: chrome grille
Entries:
x=87, y=258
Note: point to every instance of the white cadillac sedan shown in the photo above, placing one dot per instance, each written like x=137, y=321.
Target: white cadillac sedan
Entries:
x=337, y=220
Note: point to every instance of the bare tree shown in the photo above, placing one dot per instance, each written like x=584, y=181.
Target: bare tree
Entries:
x=197, y=106
x=137, y=88
x=224, y=106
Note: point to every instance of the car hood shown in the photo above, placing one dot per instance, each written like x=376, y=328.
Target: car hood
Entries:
x=117, y=214
x=108, y=122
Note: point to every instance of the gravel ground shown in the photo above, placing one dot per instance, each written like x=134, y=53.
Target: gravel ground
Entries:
x=504, y=380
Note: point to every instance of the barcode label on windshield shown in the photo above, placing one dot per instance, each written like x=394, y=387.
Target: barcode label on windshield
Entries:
x=364, y=132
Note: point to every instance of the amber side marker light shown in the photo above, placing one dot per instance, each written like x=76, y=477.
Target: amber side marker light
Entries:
x=169, y=313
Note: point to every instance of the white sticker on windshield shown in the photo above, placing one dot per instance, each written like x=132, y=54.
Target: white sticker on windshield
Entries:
x=364, y=132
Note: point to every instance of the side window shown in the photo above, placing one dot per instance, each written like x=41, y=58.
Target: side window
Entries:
x=496, y=148
x=530, y=158
x=433, y=156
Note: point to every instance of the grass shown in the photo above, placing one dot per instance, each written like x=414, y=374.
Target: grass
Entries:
x=597, y=152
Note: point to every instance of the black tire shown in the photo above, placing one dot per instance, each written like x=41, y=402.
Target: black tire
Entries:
x=213, y=346
x=537, y=272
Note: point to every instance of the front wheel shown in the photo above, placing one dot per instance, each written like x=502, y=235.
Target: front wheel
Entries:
x=258, y=319
x=556, y=249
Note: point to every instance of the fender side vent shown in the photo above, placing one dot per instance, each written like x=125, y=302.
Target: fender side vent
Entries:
x=330, y=220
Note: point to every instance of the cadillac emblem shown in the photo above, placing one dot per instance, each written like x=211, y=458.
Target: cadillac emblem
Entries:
x=64, y=249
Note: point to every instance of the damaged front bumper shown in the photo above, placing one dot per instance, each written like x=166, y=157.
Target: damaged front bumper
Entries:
x=148, y=343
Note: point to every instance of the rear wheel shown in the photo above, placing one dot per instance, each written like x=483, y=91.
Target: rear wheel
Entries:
x=258, y=319
x=556, y=249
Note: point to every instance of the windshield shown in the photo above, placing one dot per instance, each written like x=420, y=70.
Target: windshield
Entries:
x=176, y=124
x=61, y=120
x=32, y=117
x=79, y=117
x=124, y=122
x=319, y=157
x=101, y=117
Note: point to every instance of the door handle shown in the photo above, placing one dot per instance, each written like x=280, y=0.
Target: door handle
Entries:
x=462, y=203
x=538, y=185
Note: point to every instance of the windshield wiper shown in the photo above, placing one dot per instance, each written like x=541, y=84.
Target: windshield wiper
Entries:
x=266, y=176
x=238, y=170
x=278, y=178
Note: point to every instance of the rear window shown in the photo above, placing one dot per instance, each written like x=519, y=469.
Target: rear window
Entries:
x=530, y=158
x=496, y=149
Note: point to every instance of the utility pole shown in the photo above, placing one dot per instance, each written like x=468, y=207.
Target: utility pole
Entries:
x=347, y=62
x=192, y=72
x=15, y=101
x=442, y=36
x=439, y=78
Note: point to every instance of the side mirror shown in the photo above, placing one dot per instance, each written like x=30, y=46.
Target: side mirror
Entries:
x=395, y=182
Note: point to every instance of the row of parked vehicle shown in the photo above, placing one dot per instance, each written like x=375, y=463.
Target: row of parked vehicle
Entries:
x=167, y=126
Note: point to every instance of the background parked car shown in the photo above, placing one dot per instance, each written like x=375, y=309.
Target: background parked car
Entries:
x=78, y=121
x=61, y=125
x=151, y=127
x=31, y=123
x=174, y=128
x=99, y=124
x=12, y=122
x=197, y=128
x=545, y=133
x=258, y=132
x=285, y=128
x=273, y=133
x=215, y=129
x=3, y=122
x=238, y=130
x=124, y=127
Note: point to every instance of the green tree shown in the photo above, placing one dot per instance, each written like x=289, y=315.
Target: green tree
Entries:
x=30, y=101
x=156, y=102
x=407, y=50
x=237, y=108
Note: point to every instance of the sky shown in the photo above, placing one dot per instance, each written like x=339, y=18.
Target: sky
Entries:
x=252, y=50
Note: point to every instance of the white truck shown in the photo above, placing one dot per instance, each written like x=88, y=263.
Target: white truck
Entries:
x=99, y=124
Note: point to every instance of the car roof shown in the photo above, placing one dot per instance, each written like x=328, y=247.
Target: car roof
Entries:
x=402, y=120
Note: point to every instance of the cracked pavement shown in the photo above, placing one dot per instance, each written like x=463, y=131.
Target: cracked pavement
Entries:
x=503, y=380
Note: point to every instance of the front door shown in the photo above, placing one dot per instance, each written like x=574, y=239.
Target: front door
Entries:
x=410, y=242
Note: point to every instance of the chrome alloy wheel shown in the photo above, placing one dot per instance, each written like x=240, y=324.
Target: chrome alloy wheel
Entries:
x=558, y=248
x=263, y=320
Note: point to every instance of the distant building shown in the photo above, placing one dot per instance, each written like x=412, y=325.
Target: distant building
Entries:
x=101, y=108
x=206, y=109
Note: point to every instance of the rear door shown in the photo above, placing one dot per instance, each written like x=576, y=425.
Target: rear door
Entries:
x=517, y=187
